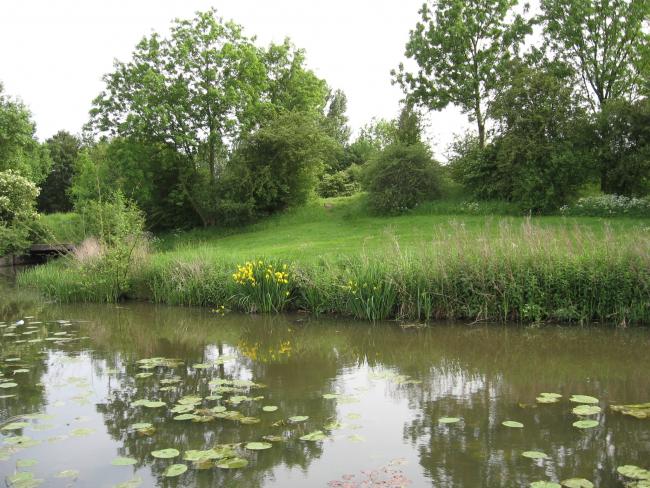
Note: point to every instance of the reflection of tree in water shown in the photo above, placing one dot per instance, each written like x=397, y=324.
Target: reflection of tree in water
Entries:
x=294, y=383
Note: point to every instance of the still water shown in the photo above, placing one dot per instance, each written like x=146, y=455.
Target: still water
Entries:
x=78, y=374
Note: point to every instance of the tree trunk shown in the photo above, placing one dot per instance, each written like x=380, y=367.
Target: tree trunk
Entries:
x=481, y=129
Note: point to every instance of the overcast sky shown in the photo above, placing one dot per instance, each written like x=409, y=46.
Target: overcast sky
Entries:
x=54, y=52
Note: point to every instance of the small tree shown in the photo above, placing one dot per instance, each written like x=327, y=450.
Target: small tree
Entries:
x=54, y=197
x=17, y=212
x=402, y=176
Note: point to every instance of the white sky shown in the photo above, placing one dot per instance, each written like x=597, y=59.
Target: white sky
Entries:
x=53, y=53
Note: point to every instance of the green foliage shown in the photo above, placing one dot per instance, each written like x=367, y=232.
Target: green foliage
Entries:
x=200, y=101
x=603, y=40
x=609, y=206
x=340, y=184
x=277, y=166
x=19, y=149
x=335, y=119
x=63, y=148
x=263, y=286
x=622, y=144
x=401, y=177
x=114, y=221
x=17, y=212
x=462, y=50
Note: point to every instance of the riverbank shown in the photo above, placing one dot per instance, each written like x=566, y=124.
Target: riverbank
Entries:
x=417, y=267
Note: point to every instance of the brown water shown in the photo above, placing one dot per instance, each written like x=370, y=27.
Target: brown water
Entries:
x=394, y=384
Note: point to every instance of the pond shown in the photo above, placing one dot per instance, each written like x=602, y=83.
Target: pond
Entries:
x=102, y=395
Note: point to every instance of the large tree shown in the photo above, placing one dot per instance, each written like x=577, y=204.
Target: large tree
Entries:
x=604, y=41
x=198, y=91
x=54, y=197
x=462, y=50
x=19, y=149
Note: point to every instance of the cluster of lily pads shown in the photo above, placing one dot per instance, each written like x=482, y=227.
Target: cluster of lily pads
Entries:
x=587, y=406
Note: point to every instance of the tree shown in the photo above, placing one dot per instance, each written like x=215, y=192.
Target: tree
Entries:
x=462, y=50
x=603, y=40
x=63, y=148
x=17, y=211
x=622, y=142
x=278, y=165
x=336, y=120
x=19, y=149
x=198, y=92
x=541, y=156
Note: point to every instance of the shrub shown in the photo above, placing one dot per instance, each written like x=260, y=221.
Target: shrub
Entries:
x=340, y=184
x=263, y=286
x=18, y=216
x=609, y=206
x=402, y=176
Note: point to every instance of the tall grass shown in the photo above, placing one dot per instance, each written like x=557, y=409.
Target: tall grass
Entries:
x=523, y=273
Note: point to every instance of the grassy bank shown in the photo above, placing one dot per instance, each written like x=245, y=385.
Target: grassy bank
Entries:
x=422, y=266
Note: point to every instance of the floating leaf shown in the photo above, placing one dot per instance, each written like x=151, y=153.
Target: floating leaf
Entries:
x=639, y=410
x=232, y=463
x=141, y=425
x=26, y=463
x=269, y=408
x=249, y=420
x=577, y=483
x=143, y=375
x=165, y=453
x=273, y=438
x=585, y=424
x=583, y=399
x=544, y=484
x=175, y=470
x=448, y=420
x=67, y=473
x=334, y=425
x=186, y=416
x=123, y=461
x=534, y=455
x=330, y=396
x=633, y=472
x=132, y=483
x=81, y=432
x=8, y=385
x=15, y=426
x=317, y=435
x=546, y=399
x=353, y=416
x=551, y=395
x=154, y=404
x=258, y=446
x=512, y=423
x=182, y=408
x=219, y=409
x=298, y=418
x=587, y=410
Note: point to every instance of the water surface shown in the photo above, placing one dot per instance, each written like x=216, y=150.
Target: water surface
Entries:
x=393, y=386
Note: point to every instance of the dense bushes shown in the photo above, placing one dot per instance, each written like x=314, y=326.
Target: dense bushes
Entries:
x=401, y=177
x=18, y=218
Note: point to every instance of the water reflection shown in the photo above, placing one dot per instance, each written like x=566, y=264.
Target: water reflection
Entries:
x=392, y=384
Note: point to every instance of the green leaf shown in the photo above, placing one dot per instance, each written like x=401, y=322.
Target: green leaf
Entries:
x=314, y=436
x=544, y=484
x=583, y=399
x=123, y=461
x=633, y=472
x=534, y=455
x=186, y=416
x=448, y=420
x=298, y=418
x=165, y=453
x=269, y=408
x=15, y=426
x=258, y=446
x=577, y=483
x=174, y=470
x=586, y=410
x=67, y=473
x=26, y=463
x=232, y=463
x=585, y=424
x=512, y=423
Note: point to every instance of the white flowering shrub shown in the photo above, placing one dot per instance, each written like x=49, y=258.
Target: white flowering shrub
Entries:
x=609, y=206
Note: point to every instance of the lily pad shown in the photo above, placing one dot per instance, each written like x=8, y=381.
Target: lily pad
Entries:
x=546, y=399
x=232, y=463
x=219, y=409
x=165, y=453
x=513, y=424
x=583, y=399
x=123, y=461
x=448, y=420
x=182, y=408
x=577, y=483
x=143, y=375
x=174, y=470
x=545, y=484
x=330, y=396
x=273, y=438
x=633, y=472
x=132, y=483
x=186, y=416
x=269, y=408
x=585, y=424
x=586, y=410
x=8, y=385
x=154, y=404
x=298, y=418
x=639, y=410
x=15, y=426
x=26, y=463
x=534, y=455
x=258, y=446
x=67, y=473
x=81, y=432
x=249, y=420
x=141, y=425
x=317, y=435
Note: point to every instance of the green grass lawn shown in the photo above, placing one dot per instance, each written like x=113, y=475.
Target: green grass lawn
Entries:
x=342, y=227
